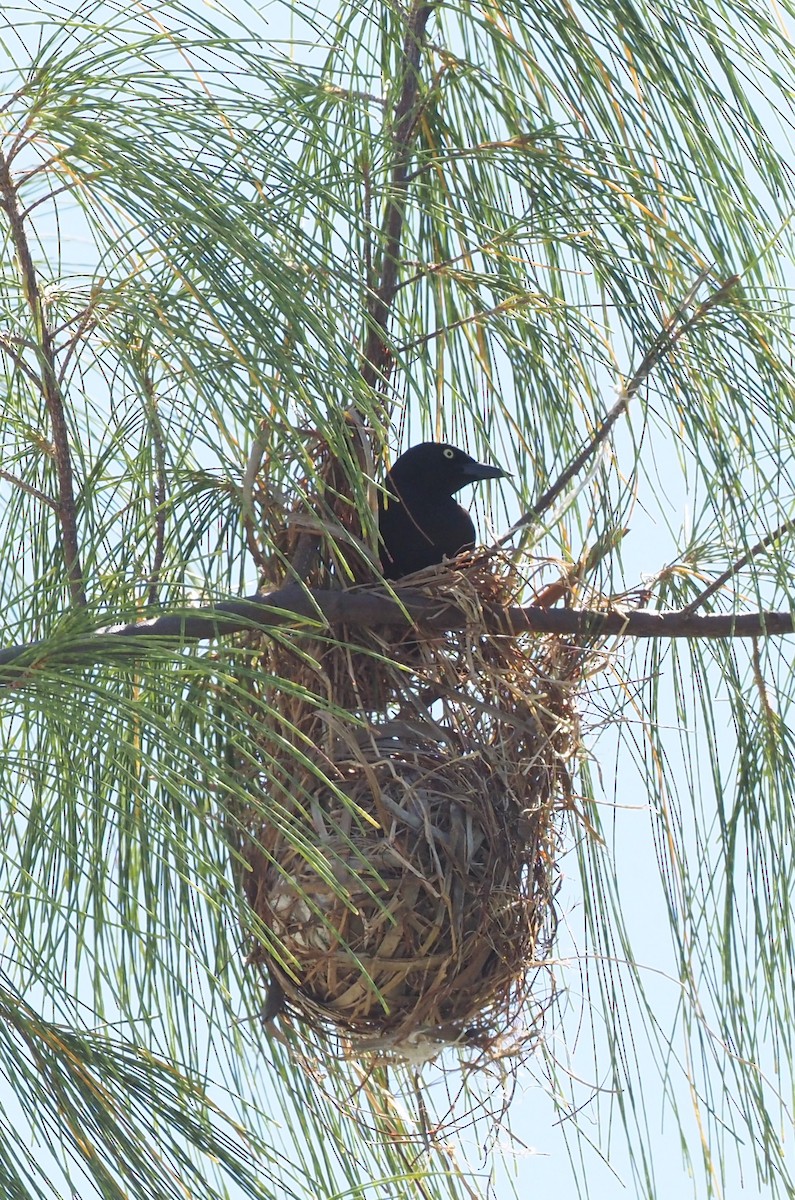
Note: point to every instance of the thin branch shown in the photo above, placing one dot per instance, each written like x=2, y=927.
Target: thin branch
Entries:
x=376, y=353
x=519, y=142
x=377, y=356
x=485, y=248
x=736, y=567
x=477, y=318
x=25, y=176
x=12, y=99
x=64, y=187
x=161, y=483
x=367, y=608
x=759, y=680
x=27, y=487
x=86, y=320
x=367, y=224
x=21, y=140
x=10, y=344
x=665, y=341
x=354, y=94
x=51, y=391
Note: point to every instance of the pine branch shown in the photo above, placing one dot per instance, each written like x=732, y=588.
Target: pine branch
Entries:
x=736, y=567
x=400, y=609
x=28, y=488
x=665, y=341
x=53, y=398
x=376, y=354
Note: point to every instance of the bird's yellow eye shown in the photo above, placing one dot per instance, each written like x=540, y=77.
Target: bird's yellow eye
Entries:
x=448, y=453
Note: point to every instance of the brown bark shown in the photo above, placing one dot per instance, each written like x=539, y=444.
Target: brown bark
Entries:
x=402, y=608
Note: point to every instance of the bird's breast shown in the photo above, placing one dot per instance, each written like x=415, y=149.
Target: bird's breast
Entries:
x=419, y=533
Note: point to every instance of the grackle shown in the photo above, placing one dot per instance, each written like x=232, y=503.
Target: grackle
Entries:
x=419, y=521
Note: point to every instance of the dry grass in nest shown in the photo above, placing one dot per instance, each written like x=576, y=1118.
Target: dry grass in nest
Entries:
x=405, y=866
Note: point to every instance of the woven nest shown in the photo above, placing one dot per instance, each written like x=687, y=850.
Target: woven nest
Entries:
x=406, y=800
x=406, y=871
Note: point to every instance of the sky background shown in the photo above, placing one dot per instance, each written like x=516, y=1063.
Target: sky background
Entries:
x=536, y=1159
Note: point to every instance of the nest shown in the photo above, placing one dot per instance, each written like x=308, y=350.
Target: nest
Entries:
x=404, y=875
x=406, y=803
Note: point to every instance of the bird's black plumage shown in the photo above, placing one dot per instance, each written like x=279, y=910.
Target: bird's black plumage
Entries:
x=419, y=521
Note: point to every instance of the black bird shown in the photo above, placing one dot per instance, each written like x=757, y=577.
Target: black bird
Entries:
x=419, y=521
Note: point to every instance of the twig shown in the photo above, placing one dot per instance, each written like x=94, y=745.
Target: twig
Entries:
x=159, y=497
x=85, y=319
x=10, y=344
x=374, y=607
x=26, y=176
x=376, y=352
x=21, y=140
x=489, y=246
x=519, y=142
x=376, y=356
x=367, y=224
x=65, y=187
x=736, y=567
x=759, y=680
x=665, y=341
x=49, y=384
x=12, y=99
x=473, y=319
x=27, y=487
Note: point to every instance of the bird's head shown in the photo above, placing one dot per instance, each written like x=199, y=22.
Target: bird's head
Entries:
x=439, y=469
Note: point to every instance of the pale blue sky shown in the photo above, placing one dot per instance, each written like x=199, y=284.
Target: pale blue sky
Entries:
x=543, y=1168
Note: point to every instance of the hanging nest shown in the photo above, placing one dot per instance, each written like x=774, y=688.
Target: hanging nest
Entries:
x=407, y=801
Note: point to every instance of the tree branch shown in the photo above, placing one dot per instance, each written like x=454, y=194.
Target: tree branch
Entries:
x=737, y=566
x=376, y=355
x=51, y=391
x=160, y=489
x=665, y=341
x=476, y=318
x=367, y=608
x=376, y=352
x=27, y=487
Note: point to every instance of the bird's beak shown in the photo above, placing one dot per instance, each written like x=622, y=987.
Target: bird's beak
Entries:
x=475, y=470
